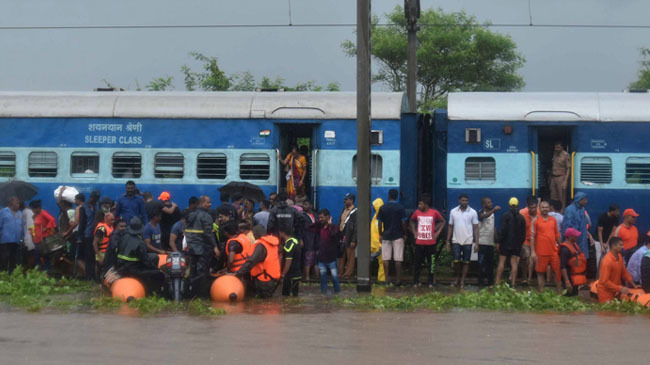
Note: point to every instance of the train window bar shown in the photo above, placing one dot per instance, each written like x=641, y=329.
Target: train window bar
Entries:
x=84, y=164
x=254, y=166
x=376, y=168
x=637, y=170
x=127, y=165
x=7, y=164
x=596, y=170
x=168, y=165
x=42, y=164
x=211, y=166
x=480, y=169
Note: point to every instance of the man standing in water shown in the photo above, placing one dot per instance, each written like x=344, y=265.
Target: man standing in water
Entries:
x=463, y=235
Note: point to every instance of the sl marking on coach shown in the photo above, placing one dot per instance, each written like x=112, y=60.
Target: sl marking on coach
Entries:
x=492, y=144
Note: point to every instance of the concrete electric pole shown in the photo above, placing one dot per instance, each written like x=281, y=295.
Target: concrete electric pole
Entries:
x=412, y=12
x=363, y=145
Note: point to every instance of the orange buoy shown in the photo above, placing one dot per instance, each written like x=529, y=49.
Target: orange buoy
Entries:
x=162, y=260
x=227, y=288
x=127, y=289
x=593, y=289
x=644, y=299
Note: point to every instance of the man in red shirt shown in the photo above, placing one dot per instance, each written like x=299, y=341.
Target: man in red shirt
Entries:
x=426, y=225
x=613, y=273
x=44, y=226
x=628, y=233
x=544, y=240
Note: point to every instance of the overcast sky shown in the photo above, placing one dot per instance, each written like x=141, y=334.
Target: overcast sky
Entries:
x=558, y=59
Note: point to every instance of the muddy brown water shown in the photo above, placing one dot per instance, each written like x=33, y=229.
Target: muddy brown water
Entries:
x=313, y=332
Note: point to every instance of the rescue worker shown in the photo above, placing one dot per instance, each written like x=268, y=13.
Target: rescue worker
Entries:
x=202, y=245
x=134, y=261
x=263, y=264
x=287, y=217
x=101, y=237
x=572, y=262
x=614, y=278
x=238, y=246
x=110, y=258
x=291, y=271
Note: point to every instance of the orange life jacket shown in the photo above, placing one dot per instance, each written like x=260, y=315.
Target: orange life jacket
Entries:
x=577, y=263
x=240, y=258
x=107, y=233
x=270, y=267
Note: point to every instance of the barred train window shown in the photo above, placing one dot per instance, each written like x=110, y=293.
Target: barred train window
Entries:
x=168, y=165
x=637, y=170
x=42, y=164
x=84, y=164
x=211, y=166
x=596, y=170
x=7, y=164
x=376, y=168
x=254, y=166
x=127, y=165
x=480, y=169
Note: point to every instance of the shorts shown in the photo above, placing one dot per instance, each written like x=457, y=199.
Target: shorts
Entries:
x=544, y=261
x=392, y=250
x=462, y=252
x=509, y=252
x=309, y=258
x=525, y=252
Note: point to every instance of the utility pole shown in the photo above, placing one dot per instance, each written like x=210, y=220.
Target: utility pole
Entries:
x=363, y=145
x=412, y=13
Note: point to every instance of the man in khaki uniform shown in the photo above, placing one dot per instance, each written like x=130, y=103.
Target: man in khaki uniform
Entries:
x=560, y=173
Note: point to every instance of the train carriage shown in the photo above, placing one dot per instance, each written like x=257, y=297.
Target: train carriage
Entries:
x=193, y=143
x=501, y=145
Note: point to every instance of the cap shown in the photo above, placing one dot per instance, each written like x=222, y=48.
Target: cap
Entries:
x=349, y=196
x=135, y=226
x=164, y=196
x=631, y=212
x=572, y=232
x=513, y=201
x=106, y=200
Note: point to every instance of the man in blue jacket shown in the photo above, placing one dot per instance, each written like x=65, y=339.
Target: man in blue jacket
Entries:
x=575, y=216
x=131, y=205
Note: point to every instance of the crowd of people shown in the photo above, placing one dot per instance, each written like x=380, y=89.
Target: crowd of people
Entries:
x=284, y=243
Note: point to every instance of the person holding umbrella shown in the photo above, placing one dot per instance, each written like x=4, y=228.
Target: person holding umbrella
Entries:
x=11, y=234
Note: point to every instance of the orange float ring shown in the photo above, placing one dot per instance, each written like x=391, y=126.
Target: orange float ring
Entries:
x=227, y=288
x=127, y=289
x=162, y=260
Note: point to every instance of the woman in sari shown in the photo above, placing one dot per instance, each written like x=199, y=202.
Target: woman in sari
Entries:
x=296, y=171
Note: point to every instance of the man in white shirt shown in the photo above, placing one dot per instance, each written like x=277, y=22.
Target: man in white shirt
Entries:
x=462, y=234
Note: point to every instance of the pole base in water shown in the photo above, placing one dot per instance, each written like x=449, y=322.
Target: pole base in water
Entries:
x=363, y=285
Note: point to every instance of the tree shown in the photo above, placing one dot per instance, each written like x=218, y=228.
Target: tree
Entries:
x=212, y=79
x=244, y=81
x=160, y=84
x=643, y=82
x=455, y=53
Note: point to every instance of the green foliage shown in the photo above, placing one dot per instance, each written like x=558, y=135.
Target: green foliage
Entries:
x=211, y=79
x=643, y=82
x=244, y=81
x=35, y=289
x=160, y=84
x=455, y=53
x=198, y=307
x=152, y=305
x=500, y=298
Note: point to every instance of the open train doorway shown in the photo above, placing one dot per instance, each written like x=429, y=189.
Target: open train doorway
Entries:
x=296, y=179
x=547, y=138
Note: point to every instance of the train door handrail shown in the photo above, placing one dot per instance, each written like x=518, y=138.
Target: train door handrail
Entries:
x=279, y=171
x=314, y=176
x=532, y=153
x=573, y=161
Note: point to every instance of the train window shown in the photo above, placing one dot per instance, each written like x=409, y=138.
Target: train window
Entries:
x=637, y=170
x=84, y=164
x=376, y=168
x=480, y=169
x=168, y=165
x=473, y=135
x=596, y=170
x=127, y=165
x=211, y=166
x=7, y=164
x=43, y=164
x=254, y=166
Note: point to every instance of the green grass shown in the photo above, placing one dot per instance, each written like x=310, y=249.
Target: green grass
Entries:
x=501, y=298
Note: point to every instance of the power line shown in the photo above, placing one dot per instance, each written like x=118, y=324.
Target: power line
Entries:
x=308, y=25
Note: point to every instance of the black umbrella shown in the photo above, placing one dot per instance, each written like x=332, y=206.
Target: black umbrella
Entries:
x=24, y=191
x=246, y=190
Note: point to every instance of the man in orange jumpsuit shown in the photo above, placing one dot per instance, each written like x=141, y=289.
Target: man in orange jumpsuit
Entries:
x=613, y=273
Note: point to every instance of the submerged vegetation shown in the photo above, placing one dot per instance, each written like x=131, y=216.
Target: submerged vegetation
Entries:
x=33, y=291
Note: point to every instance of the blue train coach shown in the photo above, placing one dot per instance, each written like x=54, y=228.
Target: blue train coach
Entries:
x=194, y=143
x=501, y=145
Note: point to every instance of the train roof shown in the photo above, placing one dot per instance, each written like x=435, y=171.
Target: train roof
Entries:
x=550, y=106
x=199, y=105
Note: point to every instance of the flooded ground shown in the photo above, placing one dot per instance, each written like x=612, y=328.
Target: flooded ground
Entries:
x=312, y=331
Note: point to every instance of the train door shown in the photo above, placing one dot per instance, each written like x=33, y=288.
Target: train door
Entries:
x=543, y=140
x=302, y=137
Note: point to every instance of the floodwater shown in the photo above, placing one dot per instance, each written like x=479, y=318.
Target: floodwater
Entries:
x=304, y=333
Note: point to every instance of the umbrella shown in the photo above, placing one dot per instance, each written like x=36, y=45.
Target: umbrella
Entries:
x=246, y=190
x=24, y=191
